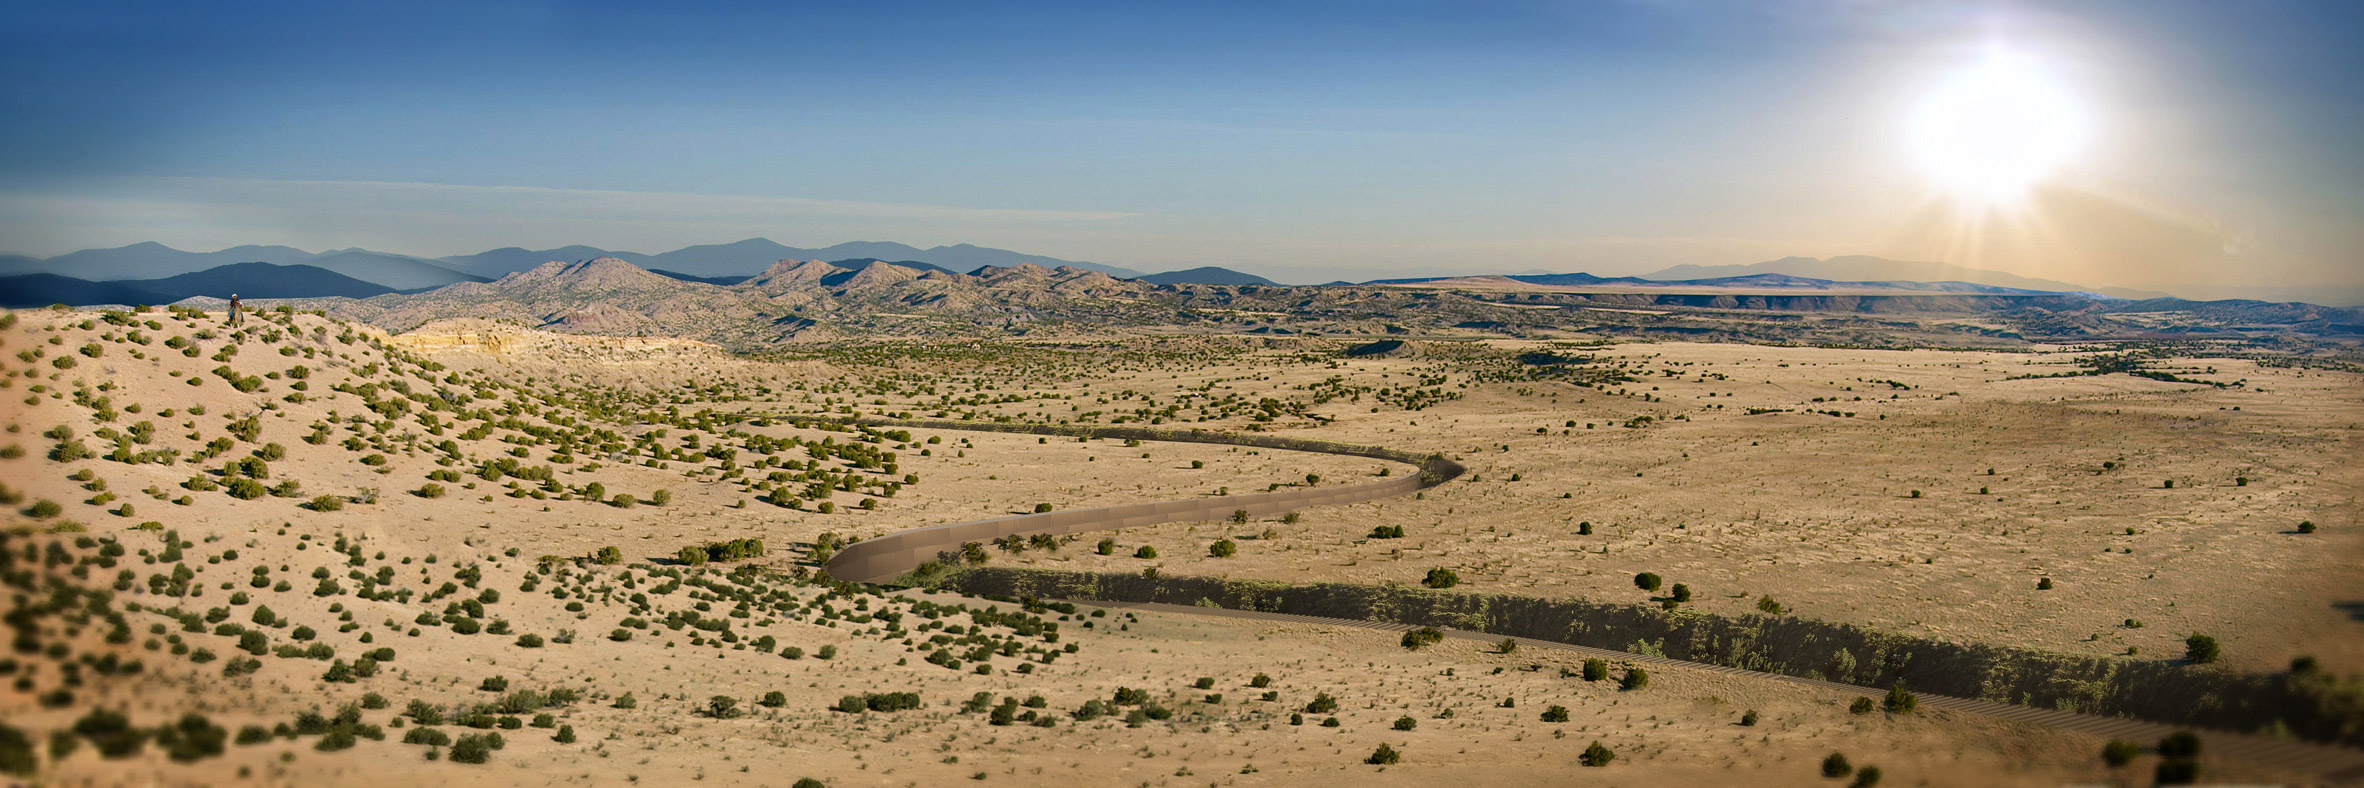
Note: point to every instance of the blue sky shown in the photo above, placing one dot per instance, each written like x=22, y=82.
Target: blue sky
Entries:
x=1309, y=141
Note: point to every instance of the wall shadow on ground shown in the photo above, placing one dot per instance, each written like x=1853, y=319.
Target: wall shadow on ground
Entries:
x=2313, y=707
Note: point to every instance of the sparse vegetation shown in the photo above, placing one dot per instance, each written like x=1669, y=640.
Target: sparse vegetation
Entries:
x=543, y=482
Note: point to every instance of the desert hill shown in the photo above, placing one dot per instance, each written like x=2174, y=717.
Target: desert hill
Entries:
x=741, y=258
x=1206, y=275
x=807, y=300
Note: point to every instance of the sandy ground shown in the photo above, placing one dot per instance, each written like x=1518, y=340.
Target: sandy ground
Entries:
x=1819, y=511
x=1682, y=728
x=1814, y=510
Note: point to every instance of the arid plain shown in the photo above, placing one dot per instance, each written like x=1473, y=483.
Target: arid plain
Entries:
x=447, y=493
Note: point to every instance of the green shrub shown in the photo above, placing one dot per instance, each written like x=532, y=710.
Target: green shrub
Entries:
x=1900, y=700
x=192, y=738
x=2201, y=649
x=111, y=733
x=2179, y=759
x=338, y=738
x=2120, y=752
x=1384, y=756
x=70, y=451
x=1441, y=578
x=1836, y=766
x=1596, y=756
x=1647, y=581
x=474, y=748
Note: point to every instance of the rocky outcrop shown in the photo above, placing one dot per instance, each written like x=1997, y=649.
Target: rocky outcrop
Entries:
x=787, y=275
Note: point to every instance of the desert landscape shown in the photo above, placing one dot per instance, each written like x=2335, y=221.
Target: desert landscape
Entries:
x=1775, y=393
x=492, y=554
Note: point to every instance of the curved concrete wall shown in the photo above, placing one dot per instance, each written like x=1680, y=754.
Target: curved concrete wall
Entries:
x=889, y=556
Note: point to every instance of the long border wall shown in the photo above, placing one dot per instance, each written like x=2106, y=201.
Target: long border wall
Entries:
x=887, y=557
x=2317, y=708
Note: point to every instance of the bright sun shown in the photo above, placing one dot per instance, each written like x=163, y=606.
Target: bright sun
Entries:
x=1997, y=128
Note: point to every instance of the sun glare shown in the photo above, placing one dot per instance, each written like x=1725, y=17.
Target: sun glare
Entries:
x=1997, y=128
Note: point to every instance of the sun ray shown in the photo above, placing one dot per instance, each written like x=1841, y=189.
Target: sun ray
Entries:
x=1996, y=129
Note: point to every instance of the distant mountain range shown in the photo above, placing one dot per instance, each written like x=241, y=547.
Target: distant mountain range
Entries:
x=744, y=258
x=150, y=260
x=1862, y=268
x=854, y=264
x=152, y=271
x=1807, y=273
x=144, y=261
x=712, y=264
x=1748, y=283
x=246, y=280
x=790, y=300
x=799, y=301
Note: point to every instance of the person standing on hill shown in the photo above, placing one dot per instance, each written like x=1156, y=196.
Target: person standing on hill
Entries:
x=235, y=319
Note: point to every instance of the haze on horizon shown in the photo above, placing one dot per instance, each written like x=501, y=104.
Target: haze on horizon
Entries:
x=2200, y=148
